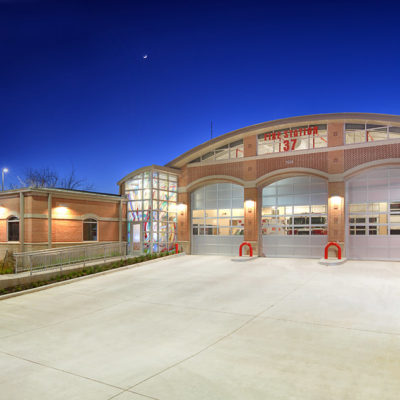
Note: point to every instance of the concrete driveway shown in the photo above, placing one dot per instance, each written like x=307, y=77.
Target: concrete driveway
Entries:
x=204, y=327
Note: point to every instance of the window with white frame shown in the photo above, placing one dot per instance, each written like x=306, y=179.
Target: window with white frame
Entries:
x=295, y=206
x=13, y=229
x=374, y=219
x=293, y=139
x=218, y=210
x=153, y=197
x=89, y=230
x=227, y=152
x=362, y=133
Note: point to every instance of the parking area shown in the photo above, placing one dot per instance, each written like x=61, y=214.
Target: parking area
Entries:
x=206, y=327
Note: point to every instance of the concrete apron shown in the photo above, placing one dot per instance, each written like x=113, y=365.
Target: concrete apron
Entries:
x=204, y=327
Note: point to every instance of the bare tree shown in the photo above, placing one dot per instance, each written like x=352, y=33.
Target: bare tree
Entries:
x=41, y=178
x=71, y=181
x=49, y=178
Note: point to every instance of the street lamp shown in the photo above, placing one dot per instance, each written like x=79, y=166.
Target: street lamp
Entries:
x=3, y=171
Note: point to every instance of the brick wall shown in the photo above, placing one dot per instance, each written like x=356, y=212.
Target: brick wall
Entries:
x=230, y=169
x=355, y=157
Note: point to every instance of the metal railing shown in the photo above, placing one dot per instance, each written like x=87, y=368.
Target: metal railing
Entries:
x=40, y=260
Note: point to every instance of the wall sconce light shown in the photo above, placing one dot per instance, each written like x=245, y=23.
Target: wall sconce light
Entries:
x=336, y=201
x=249, y=205
x=182, y=208
x=61, y=209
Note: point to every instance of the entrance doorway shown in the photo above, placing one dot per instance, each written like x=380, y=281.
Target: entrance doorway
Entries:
x=135, y=235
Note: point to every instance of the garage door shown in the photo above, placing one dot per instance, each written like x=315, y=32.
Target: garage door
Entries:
x=373, y=215
x=217, y=219
x=294, y=217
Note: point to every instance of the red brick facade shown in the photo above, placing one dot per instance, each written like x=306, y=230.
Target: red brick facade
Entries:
x=68, y=210
x=333, y=163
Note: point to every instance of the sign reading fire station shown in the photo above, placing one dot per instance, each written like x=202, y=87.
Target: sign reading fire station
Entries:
x=289, y=137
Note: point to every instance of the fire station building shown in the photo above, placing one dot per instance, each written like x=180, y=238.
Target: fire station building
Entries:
x=286, y=186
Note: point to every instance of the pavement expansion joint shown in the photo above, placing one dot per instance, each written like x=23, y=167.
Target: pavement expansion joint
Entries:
x=64, y=320
x=61, y=370
x=145, y=396
x=253, y=318
x=327, y=325
x=194, y=308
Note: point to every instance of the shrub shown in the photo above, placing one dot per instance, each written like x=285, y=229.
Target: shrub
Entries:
x=85, y=271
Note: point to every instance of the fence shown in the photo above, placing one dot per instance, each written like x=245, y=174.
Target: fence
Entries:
x=65, y=256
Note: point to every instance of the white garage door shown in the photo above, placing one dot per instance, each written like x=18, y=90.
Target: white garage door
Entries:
x=294, y=217
x=217, y=219
x=373, y=215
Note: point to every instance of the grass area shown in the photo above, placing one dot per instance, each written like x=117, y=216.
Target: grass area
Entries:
x=6, y=269
x=85, y=271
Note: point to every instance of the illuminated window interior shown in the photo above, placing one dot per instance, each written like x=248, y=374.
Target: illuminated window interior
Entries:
x=227, y=152
x=295, y=206
x=293, y=139
x=218, y=210
x=362, y=133
x=152, y=199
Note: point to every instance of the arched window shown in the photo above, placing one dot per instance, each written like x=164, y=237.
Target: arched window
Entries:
x=13, y=229
x=89, y=230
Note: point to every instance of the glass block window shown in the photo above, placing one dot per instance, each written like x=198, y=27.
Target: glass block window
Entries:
x=295, y=206
x=362, y=133
x=292, y=139
x=226, y=152
x=152, y=200
x=217, y=210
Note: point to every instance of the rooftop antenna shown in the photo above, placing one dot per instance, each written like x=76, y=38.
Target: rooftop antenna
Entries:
x=211, y=127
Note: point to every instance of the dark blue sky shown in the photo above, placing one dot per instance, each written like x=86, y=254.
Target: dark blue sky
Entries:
x=75, y=90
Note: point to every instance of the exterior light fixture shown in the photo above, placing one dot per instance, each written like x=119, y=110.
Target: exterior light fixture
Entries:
x=61, y=209
x=249, y=205
x=336, y=201
x=181, y=208
x=3, y=171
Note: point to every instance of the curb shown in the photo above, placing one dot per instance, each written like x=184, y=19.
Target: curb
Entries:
x=244, y=258
x=68, y=281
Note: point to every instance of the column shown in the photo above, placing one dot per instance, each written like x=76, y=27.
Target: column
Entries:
x=336, y=215
x=22, y=221
x=183, y=222
x=251, y=220
x=120, y=222
x=49, y=220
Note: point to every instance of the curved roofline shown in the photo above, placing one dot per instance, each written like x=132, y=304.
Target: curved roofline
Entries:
x=178, y=162
x=152, y=167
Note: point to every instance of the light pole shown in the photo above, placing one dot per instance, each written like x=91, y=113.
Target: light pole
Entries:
x=3, y=171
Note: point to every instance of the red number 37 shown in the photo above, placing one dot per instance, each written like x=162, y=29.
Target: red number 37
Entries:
x=286, y=144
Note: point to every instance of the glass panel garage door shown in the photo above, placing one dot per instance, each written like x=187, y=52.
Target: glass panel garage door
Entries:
x=294, y=217
x=217, y=219
x=373, y=215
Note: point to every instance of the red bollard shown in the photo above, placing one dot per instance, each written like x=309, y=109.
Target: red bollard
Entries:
x=176, y=248
x=339, y=253
x=241, y=249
